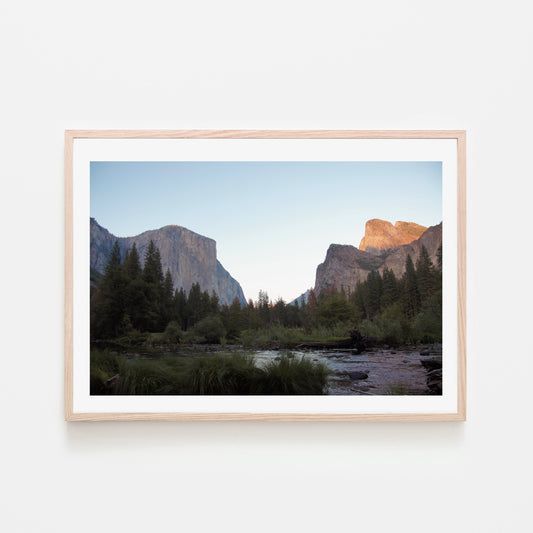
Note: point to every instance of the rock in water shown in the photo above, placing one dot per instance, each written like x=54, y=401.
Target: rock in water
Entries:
x=190, y=257
x=431, y=363
x=356, y=376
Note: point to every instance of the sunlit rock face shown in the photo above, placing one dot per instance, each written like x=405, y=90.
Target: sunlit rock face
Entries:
x=381, y=235
x=190, y=257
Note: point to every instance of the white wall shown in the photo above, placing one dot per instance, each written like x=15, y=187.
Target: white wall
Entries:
x=276, y=64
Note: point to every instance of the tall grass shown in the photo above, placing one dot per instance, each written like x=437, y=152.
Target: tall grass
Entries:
x=150, y=377
x=104, y=365
x=294, y=376
x=238, y=374
x=146, y=376
x=219, y=374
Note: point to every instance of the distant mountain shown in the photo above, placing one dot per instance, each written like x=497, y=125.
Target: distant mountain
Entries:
x=190, y=257
x=302, y=299
x=347, y=265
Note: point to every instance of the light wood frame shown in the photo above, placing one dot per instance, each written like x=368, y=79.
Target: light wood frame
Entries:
x=458, y=135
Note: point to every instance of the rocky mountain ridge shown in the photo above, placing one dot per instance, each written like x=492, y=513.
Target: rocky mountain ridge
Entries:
x=346, y=265
x=190, y=257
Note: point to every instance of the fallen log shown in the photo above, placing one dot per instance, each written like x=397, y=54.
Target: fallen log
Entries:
x=345, y=343
x=110, y=384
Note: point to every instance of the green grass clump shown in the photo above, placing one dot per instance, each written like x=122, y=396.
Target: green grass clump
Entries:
x=104, y=365
x=222, y=374
x=150, y=377
x=294, y=376
x=219, y=374
x=237, y=374
x=162, y=375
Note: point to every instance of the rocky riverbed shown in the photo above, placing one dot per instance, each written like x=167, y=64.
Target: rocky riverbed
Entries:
x=414, y=370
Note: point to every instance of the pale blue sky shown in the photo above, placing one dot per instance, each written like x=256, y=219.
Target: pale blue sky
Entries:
x=273, y=221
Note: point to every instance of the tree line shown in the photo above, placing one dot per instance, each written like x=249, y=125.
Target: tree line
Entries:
x=130, y=298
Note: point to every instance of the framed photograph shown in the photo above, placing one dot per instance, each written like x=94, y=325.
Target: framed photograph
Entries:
x=265, y=275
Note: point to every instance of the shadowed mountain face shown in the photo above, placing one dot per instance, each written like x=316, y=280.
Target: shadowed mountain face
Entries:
x=346, y=265
x=190, y=257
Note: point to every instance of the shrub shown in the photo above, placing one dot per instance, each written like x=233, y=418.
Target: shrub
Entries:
x=133, y=338
x=208, y=331
x=157, y=338
x=391, y=327
x=428, y=323
x=370, y=328
x=173, y=333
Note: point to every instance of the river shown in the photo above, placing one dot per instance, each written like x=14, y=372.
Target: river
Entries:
x=389, y=371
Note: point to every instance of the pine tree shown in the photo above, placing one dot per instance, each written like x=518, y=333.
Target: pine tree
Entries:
x=153, y=271
x=132, y=264
x=293, y=315
x=194, y=305
x=152, y=275
x=439, y=257
x=235, y=320
x=333, y=309
x=205, y=305
x=214, y=303
x=180, y=307
x=389, y=294
x=109, y=304
x=167, y=301
x=279, y=312
x=137, y=307
x=311, y=299
x=263, y=306
x=425, y=274
x=252, y=316
x=114, y=259
x=372, y=295
x=357, y=302
x=410, y=296
x=310, y=312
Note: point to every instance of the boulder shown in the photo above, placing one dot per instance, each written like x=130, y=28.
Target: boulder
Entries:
x=356, y=376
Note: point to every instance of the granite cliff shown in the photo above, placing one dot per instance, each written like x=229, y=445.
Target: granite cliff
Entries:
x=381, y=235
x=190, y=257
x=346, y=265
